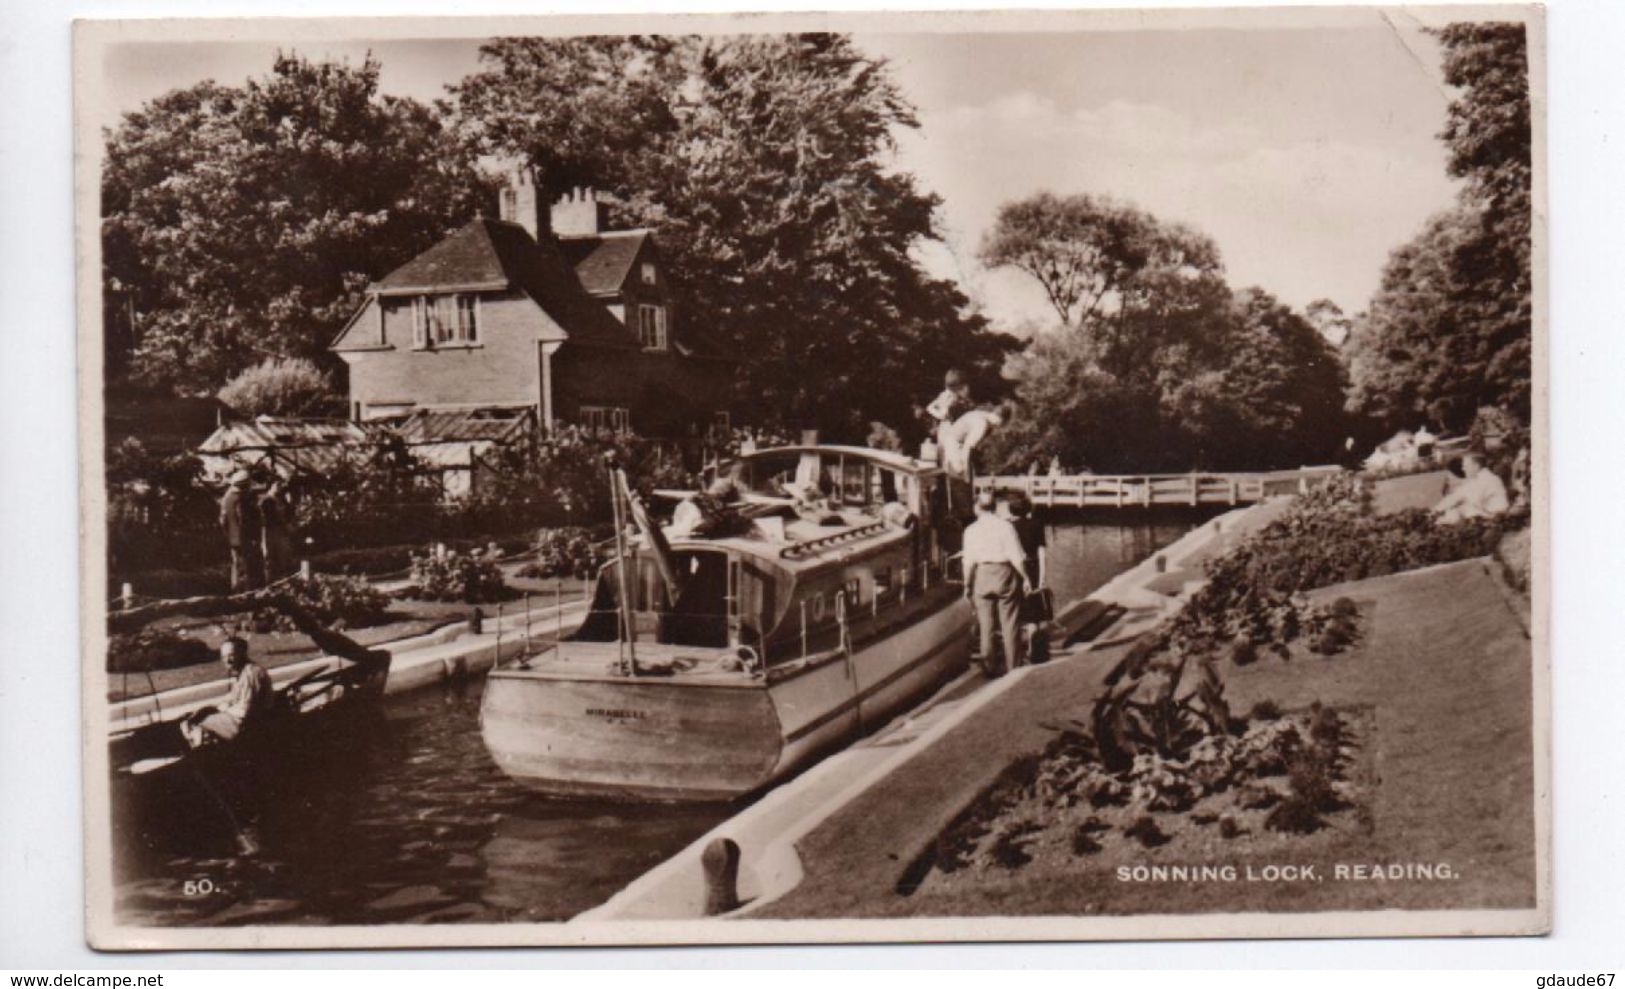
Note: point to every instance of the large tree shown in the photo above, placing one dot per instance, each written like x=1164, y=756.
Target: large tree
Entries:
x=1241, y=382
x=764, y=163
x=241, y=223
x=1450, y=329
x=1095, y=257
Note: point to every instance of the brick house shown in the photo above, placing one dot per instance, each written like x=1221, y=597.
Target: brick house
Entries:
x=542, y=309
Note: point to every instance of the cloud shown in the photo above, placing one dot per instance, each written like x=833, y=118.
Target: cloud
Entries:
x=1304, y=219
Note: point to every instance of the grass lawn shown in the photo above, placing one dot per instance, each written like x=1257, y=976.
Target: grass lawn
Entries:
x=1441, y=686
x=1394, y=494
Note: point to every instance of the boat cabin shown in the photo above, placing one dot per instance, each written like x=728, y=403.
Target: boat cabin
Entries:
x=832, y=544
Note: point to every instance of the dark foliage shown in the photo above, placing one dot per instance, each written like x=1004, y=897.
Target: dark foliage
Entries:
x=154, y=649
x=1450, y=329
x=472, y=577
x=761, y=160
x=337, y=600
x=565, y=552
x=243, y=222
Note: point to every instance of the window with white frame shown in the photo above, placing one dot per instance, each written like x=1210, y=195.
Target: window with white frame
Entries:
x=652, y=327
x=606, y=417
x=439, y=320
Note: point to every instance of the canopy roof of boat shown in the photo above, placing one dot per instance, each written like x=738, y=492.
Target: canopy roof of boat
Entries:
x=804, y=545
x=885, y=458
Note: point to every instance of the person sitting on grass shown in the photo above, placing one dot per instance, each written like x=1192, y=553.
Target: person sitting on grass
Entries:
x=1479, y=495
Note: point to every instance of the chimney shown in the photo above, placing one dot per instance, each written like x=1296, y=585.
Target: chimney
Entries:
x=522, y=203
x=578, y=213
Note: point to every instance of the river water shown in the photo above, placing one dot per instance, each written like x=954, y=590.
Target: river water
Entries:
x=404, y=818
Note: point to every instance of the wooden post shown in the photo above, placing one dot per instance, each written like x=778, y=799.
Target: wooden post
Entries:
x=720, y=860
x=1162, y=563
x=126, y=595
x=1194, y=483
x=304, y=570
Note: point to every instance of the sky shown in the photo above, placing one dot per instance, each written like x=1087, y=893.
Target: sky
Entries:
x=1306, y=154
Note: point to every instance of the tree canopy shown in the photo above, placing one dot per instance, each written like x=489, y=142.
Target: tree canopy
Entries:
x=1092, y=254
x=241, y=223
x=1238, y=382
x=1450, y=328
x=763, y=163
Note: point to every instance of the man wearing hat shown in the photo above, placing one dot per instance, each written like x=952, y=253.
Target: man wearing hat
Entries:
x=240, y=520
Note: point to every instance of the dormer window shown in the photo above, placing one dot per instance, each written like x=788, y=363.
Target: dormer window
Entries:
x=652, y=327
x=647, y=272
x=445, y=320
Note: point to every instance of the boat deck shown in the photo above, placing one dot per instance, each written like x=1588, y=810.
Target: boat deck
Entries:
x=571, y=660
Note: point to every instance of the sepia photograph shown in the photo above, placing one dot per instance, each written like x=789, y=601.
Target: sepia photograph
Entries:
x=813, y=478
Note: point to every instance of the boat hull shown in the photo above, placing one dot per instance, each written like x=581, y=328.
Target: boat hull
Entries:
x=673, y=739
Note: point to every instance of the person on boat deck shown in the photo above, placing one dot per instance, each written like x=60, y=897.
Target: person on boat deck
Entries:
x=1480, y=495
x=960, y=440
x=995, y=579
x=712, y=512
x=249, y=696
x=947, y=407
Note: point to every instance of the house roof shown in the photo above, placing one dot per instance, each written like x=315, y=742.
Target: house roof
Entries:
x=603, y=261
x=291, y=446
x=500, y=424
x=269, y=431
x=487, y=253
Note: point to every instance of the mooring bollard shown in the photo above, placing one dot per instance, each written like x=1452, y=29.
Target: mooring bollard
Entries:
x=720, y=860
x=476, y=621
x=304, y=570
x=1162, y=563
x=126, y=595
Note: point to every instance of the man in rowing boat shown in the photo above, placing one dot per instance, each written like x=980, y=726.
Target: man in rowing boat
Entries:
x=995, y=581
x=250, y=695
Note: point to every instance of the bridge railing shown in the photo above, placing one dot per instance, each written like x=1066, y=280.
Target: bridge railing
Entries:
x=1145, y=490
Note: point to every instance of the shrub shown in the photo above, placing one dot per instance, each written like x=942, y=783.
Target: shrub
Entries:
x=339, y=600
x=1254, y=593
x=278, y=386
x=569, y=551
x=1145, y=831
x=472, y=577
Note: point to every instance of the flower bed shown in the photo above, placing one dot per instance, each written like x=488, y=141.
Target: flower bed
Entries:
x=1161, y=758
x=1286, y=774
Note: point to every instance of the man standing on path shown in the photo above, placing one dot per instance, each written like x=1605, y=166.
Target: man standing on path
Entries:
x=1035, y=606
x=240, y=521
x=995, y=582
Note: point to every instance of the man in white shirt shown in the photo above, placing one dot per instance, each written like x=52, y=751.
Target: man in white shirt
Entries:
x=995, y=581
x=1481, y=495
x=250, y=694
